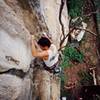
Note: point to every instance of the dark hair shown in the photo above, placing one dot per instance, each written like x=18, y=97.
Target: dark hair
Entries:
x=43, y=41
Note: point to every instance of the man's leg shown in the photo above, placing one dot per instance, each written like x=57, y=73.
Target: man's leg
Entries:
x=55, y=88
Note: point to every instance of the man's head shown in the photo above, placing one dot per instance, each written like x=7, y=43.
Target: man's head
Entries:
x=44, y=43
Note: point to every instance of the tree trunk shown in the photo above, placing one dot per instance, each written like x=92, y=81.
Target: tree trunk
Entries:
x=17, y=19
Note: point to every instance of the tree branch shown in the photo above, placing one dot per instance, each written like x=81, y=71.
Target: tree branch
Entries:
x=71, y=31
x=62, y=41
x=86, y=30
x=91, y=13
x=74, y=27
x=60, y=13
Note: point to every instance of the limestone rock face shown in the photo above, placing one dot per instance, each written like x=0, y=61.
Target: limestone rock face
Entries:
x=52, y=16
x=14, y=29
x=14, y=88
x=14, y=53
x=51, y=12
x=14, y=40
x=17, y=19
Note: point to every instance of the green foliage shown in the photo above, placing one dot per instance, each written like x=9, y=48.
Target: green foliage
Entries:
x=75, y=8
x=71, y=54
x=63, y=78
x=65, y=62
x=85, y=78
x=97, y=4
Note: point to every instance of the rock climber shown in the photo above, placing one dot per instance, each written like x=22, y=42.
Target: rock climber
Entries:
x=48, y=53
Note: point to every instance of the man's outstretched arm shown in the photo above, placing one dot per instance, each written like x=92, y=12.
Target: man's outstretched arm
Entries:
x=33, y=48
x=35, y=52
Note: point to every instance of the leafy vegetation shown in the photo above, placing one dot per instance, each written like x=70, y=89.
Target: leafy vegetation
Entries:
x=97, y=4
x=71, y=54
x=75, y=7
x=63, y=78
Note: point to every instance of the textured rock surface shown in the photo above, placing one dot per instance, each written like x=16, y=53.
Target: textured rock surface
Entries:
x=51, y=13
x=14, y=88
x=14, y=40
x=17, y=19
x=52, y=17
x=14, y=53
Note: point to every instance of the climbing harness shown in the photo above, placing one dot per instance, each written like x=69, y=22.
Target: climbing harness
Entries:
x=53, y=69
